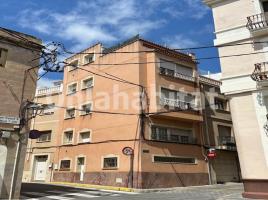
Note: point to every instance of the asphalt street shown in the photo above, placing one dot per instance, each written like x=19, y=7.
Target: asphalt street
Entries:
x=46, y=191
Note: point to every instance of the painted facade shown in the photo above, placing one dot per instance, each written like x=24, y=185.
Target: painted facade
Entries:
x=244, y=21
x=111, y=100
x=16, y=86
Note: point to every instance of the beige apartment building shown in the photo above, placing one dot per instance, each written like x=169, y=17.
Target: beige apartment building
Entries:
x=218, y=132
x=244, y=82
x=17, y=84
x=97, y=113
x=167, y=147
x=41, y=152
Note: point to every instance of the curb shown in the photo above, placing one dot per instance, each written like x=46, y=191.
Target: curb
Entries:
x=89, y=186
x=183, y=188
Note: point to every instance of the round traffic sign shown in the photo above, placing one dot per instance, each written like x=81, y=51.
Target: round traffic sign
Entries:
x=128, y=151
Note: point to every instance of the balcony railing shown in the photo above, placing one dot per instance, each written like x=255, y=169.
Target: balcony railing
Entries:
x=260, y=72
x=48, y=91
x=226, y=141
x=172, y=73
x=257, y=22
x=178, y=104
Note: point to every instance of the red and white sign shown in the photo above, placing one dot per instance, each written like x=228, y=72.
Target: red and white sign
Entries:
x=128, y=151
x=211, y=153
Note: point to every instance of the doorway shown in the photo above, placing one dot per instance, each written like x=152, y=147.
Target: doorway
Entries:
x=40, y=168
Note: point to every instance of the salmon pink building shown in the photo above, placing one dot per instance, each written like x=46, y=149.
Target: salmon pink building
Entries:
x=128, y=116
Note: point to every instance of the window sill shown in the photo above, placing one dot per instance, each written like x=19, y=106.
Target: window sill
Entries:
x=67, y=144
x=110, y=168
x=86, y=88
x=65, y=169
x=84, y=142
x=89, y=62
x=69, y=118
x=70, y=94
x=43, y=141
x=86, y=114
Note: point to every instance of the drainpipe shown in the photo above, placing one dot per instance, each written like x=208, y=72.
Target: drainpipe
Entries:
x=207, y=134
x=14, y=171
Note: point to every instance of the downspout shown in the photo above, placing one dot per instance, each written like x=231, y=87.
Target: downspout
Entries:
x=14, y=171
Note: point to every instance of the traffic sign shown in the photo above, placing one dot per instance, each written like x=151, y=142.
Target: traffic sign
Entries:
x=211, y=153
x=128, y=151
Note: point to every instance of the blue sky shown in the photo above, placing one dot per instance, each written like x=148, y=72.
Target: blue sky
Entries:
x=80, y=23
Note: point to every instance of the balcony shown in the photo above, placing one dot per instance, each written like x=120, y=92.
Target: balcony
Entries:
x=49, y=91
x=173, y=74
x=257, y=22
x=178, y=104
x=260, y=73
x=226, y=142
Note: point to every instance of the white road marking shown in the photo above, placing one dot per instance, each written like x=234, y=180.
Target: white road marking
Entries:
x=81, y=195
x=57, y=197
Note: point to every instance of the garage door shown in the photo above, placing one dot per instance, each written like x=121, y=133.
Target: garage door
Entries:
x=226, y=167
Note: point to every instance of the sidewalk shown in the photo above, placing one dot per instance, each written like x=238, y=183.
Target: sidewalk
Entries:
x=133, y=190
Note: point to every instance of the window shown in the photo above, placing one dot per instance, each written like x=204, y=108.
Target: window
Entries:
x=184, y=136
x=45, y=136
x=84, y=137
x=170, y=68
x=265, y=6
x=73, y=65
x=3, y=57
x=68, y=137
x=225, y=135
x=87, y=83
x=65, y=164
x=70, y=113
x=49, y=109
x=219, y=104
x=86, y=109
x=72, y=88
x=174, y=160
x=89, y=58
x=110, y=163
x=80, y=164
x=177, y=99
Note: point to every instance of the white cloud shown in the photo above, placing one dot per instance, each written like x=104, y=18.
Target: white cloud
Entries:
x=91, y=21
x=108, y=20
x=44, y=82
x=196, y=8
x=180, y=41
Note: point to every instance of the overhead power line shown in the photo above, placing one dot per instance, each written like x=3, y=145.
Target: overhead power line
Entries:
x=174, y=49
x=159, y=62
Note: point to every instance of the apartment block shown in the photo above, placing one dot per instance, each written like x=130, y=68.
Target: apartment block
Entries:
x=41, y=152
x=242, y=25
x=18, y=53
x=148, y=101
x=218, y=132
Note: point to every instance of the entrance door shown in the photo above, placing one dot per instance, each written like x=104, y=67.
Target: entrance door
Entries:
x=40, y=168
x=81, y=167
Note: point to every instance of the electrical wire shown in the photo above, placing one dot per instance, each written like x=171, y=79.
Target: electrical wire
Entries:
x=173, y=49
x=159, y=62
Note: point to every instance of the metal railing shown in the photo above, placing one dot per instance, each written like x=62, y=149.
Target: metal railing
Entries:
x=226, y=141
x=178, y=104
x=260, y=72
x=256, y=22
x=172, y=73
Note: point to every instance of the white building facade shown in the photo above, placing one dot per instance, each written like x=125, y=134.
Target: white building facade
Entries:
x=244, y=82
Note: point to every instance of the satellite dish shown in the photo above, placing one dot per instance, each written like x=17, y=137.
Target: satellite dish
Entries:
x=34, y=134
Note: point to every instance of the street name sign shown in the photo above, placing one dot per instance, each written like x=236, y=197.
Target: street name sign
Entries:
x=9, y=120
